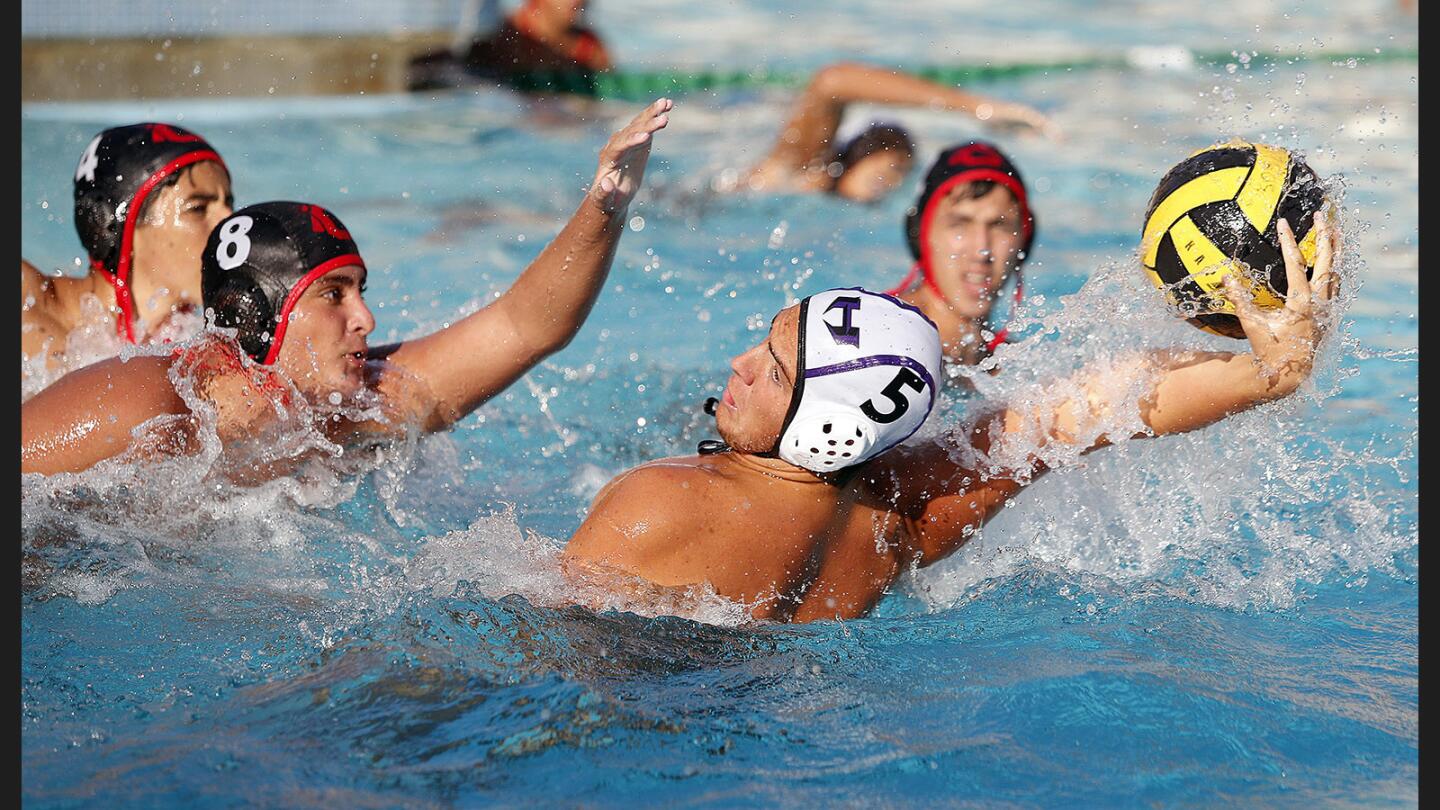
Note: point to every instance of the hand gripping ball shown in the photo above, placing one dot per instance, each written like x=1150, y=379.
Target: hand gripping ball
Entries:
x=1214, y=213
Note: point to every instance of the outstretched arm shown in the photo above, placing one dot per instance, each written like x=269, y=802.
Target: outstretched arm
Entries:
x=944, y=500
x=467, y=363
x=1193, y=389
x=806, y=137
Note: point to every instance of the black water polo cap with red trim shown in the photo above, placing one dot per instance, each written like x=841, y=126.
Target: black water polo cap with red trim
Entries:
x=967, y=163
x=260, y=260
x=117, y=173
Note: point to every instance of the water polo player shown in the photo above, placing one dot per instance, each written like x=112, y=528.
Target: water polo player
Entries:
x=806, y=158
x=146, y=198
x=809, y=508
x=969, y=232
x=288, y=278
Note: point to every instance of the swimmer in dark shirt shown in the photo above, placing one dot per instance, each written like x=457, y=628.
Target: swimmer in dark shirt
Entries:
x=542, y=46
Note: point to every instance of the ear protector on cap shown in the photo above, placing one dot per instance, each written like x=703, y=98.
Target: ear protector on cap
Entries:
x=827, y=441
x=865, y=379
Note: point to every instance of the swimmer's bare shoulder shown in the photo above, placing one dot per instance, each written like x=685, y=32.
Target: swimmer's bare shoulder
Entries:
x=89, y=414
x=641, y=522
x=32, y=283
x=38, y=324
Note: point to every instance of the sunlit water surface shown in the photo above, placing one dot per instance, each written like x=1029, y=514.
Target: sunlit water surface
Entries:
x=1222, y=617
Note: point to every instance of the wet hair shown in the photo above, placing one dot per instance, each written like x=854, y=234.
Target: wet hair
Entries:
x=877, y=138
x=170, y=181
x=977, y=189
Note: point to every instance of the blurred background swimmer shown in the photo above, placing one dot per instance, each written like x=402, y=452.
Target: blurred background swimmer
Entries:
x=146, y=198
x=866, y=168
x=539, y=37
x=290, y=280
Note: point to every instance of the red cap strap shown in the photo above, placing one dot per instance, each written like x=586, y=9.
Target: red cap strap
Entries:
x=123, y=326
x=905, y=283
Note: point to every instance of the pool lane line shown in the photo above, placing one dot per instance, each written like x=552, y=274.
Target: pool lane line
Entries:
x=642, y=85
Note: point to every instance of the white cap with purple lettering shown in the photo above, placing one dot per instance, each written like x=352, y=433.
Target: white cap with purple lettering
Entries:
x=865, y=381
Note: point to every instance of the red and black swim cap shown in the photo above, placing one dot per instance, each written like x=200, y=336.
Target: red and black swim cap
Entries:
x=259, y=261
x=967, y=163
x=117, y=173
x=973, y=162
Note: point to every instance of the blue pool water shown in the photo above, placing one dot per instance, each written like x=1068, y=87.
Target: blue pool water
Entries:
x=1226, y=617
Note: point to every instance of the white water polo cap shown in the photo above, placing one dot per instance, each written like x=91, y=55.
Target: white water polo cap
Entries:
x=867, y=366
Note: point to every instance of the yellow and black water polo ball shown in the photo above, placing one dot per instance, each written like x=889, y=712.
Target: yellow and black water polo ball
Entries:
x=1215, y=213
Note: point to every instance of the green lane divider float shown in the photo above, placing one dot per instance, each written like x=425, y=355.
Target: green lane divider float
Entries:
x=641, y=85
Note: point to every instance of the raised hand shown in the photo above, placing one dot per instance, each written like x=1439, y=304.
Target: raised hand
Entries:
x=1283, y=339
x=623, y=158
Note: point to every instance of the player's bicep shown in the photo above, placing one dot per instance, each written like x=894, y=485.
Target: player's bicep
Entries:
x=80, y=420
x=443, y=376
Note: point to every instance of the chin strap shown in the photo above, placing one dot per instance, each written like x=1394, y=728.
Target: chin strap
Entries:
x=1004, y=332
x=710, y=447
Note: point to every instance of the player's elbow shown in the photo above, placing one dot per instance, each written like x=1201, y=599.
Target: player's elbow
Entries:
x=552, y=342
x=834, y=79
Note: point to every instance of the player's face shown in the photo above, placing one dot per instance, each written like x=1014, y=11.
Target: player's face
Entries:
x=171, y=237
x=874, y=176
x=973, y=244
x=762, y=380
x=324, y=346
